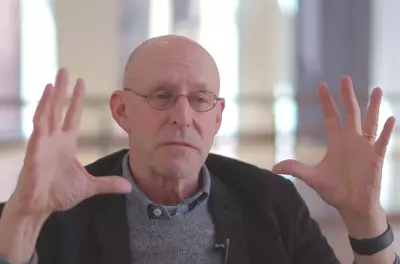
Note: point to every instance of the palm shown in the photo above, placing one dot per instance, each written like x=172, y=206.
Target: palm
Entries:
x=57, y=177
x=52, y=179
x=349, y=175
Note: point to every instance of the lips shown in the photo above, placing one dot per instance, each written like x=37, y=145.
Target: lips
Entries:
x=179, y=144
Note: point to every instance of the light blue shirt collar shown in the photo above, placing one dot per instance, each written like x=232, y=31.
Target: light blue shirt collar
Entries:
x=158, y=211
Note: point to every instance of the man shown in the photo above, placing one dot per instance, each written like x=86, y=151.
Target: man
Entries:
x=167, y=200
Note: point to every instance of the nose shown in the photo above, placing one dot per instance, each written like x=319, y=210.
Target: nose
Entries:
x=181, y=113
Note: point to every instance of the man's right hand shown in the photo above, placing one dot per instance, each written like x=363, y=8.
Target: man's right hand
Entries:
x=52, y=179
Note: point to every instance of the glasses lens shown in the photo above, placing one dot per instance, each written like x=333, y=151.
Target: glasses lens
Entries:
x=202, y=101
x=161, y=99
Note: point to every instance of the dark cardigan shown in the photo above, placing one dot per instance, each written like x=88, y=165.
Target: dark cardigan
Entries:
x=261, y=213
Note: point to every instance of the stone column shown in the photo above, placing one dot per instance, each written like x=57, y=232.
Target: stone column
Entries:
x=264, y=60
x=333, y=39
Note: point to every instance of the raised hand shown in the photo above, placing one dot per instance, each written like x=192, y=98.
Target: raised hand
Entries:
x=52, y=179
x=349, y=175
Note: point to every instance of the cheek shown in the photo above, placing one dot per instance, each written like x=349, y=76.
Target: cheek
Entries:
x=145, y=129
x=207, y=128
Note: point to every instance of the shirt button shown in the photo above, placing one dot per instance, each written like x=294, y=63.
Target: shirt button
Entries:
x=157, y=212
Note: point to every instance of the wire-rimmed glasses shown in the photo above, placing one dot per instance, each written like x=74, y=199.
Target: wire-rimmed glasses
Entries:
x=163, y=99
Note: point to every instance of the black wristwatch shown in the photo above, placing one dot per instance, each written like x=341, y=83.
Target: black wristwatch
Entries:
x=371, y=246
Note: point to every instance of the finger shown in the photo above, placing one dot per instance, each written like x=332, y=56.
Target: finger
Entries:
x=296, y=169
x=330, y=112
x=108, y=185
x=74, y=111
x=384, y=138
x=40, y=124
x=40, y=118
x=60, y=89
x=371, y=120
x=351, y=105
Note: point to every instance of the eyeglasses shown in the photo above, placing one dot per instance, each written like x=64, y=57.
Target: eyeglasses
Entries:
x=163, y=99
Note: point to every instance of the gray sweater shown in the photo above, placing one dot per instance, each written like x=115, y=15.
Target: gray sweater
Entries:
x=187, y=238
x=171, y=234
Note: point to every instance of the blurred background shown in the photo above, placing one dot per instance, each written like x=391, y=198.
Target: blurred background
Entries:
x=271, y=54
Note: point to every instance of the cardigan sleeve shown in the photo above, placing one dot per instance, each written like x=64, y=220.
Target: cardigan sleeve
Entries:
x=33, y=260
x=309, y=244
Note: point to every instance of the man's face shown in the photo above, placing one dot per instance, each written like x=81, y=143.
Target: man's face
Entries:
x=173, y=141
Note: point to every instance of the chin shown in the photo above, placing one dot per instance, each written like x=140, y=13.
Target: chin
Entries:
x=180, y=166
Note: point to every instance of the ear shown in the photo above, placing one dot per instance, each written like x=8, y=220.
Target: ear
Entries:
x=220, y=111
x=118, y=110
x=221, y=107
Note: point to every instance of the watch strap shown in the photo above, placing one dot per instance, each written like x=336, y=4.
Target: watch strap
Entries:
x=370, y=246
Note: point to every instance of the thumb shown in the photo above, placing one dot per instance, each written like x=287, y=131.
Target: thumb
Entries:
x=294, y=168
x=109, y=185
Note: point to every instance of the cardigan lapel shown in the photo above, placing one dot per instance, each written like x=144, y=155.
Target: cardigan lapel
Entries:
x=111, y=222
x=112, y=229
x=228, y=222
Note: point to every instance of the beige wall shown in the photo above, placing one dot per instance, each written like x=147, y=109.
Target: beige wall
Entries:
x=259, y=56
x=88, y=44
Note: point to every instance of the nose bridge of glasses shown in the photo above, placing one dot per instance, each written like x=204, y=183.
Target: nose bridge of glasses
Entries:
x=181, y=99
x=181, y=111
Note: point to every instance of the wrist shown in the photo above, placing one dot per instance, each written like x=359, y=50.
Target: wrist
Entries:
x=365, y=226
x=18, y=233
x=371, y=246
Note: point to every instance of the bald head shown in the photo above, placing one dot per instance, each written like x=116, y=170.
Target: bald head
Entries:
x=154, y=112
x=164, y=51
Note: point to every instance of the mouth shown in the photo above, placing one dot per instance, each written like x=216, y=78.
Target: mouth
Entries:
x=178, y=144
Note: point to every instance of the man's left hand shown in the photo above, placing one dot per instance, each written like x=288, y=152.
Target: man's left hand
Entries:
x=349, y=175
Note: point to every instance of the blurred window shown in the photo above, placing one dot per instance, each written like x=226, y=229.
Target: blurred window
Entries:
x=38, y=56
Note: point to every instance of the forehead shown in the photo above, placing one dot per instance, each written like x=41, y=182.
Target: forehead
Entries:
x=173, y=65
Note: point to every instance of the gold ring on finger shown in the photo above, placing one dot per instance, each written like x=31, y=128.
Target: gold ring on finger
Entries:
x=369, y=136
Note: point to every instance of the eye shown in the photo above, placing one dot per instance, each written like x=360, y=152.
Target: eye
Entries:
x=201, y=100
x=161, y=95
x=201, y=97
